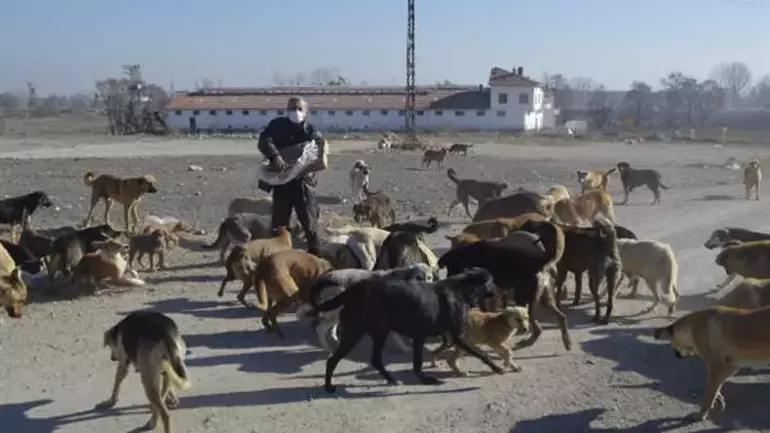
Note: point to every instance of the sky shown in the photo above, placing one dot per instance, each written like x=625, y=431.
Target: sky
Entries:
x=64, y=46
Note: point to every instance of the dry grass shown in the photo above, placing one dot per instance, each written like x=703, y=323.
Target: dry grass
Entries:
x=54, y=126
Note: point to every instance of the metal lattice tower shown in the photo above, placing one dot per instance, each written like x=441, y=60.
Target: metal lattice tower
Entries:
x=409, y=115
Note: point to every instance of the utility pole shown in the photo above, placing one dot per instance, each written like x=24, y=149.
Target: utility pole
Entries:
x=410, y=126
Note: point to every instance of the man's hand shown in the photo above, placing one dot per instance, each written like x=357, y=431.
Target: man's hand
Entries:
x=277, y=163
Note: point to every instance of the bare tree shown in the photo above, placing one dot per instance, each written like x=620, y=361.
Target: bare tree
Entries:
x=132, y=105
x=557, y=86
x=600, y=109
x=638, y=101
x=735, y=77
x=760, y=93
x=690, y=103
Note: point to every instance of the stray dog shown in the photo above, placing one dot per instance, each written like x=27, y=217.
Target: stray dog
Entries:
x=721, y=238
x=40, y=242
x=431, y=155
x=727, y=339
x=151, y=342
x=414, y=228
x=152, y=244
x=654, y=262
x=413, y=309
x=239, y=228
x=752, y=177
x=67, y=250
x=586, y=207
x=460, y=147
x=479, y=190
x=243, y=260
x=257, y=205
x=106, y=263
x=127, y=192
x=513, y=205
x=749, y=294
x=334, y=282
x=13, y=290
x=385, y=143
x=375, y=207
x=594, y=179
x=499, y=227
x=490, y=329
x=747, y=259
x=364, y=243
x=284, y=278
x=636, y=177
x=17, y=211
x=402, y=249
x=23, y=257
x=358, y=177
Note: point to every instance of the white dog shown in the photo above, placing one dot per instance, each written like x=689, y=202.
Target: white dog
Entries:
x=359, y=178
x=384, y=144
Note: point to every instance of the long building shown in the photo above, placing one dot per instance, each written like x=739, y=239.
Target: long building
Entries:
x=511, y=101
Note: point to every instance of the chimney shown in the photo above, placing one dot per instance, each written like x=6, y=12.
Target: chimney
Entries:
x=513, y=70
x=520, y=71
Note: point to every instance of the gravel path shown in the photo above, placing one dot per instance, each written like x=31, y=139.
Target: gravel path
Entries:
x=53, y=368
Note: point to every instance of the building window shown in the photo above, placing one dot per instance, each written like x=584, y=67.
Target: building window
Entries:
x=502, y=98
x=178, y=112
x=384, y=112
x=245, y=112
x=420, y=113
x=439, y=113
x=280, y=112
x=481, y=113
x=349, y=112
x=401, y=112
x=331, y=112
x=500, y=113
x=228, y=112
x=459, y=113
x=212, y=112
x=365, y=112
x=196, y=112
x=263, y=112
x=313, y=112
x=523, y=98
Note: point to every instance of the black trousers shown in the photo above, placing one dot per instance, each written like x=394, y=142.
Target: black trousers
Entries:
x=299, y=196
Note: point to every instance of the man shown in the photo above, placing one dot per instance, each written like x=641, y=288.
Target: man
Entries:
x=283, y=139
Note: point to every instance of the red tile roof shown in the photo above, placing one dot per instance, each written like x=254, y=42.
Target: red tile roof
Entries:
x=499, y=77
x=347, y=98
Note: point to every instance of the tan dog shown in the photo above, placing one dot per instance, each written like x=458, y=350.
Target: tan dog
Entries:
x=13, y=290
x=127, y=192
x=172, y=227
x=489, y=329
x=727, y=339
x=584, y=208
x=431, y=155
x=752, y=177
x=285, y=277
x=499, y=227
x=751, y=293
x=153, y=244
x=257, y=205
x=243, y=261
x=107, y=263
x=594, y=179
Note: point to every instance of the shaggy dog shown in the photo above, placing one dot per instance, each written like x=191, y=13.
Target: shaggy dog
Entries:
x=374, y=208
x=358, y=177
x=636, y=177
x=364, y=242
x=479, y=190
x=752, y=177
x=402, y=249
x=654, y=262
x=413, y=309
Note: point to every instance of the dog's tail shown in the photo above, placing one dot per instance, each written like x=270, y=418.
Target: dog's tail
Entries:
x=368, y=193
x=309, y=309
x=452, y=174
x=173, y=364
x=89, y=177
x=220, y=237
x=131, y=281
x=610, y=171
x=670, y=285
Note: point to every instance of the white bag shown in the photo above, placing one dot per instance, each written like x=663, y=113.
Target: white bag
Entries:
x=308, y=157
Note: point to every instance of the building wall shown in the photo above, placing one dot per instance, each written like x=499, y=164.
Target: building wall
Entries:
x=521, y=106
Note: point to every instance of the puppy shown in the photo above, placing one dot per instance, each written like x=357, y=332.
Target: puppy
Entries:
x=633, y=177
x=432, y=155
x=285, y=277
x=458, y=148
x=479, y=190
x=752, y=177
x=489, y=329
x=375, y=208
x=594, y=179
x=17, y=211
x=385, y=143
x=107, y=263
x=171, y=228
x=127, y=192
x=151, y=342
x=153, y=244
x=727, y=339
x=358, y=177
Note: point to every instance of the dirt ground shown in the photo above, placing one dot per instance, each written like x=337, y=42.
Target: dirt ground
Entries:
x=53, y=369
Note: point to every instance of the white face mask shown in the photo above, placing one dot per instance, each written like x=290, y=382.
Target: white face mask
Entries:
x=296, y=116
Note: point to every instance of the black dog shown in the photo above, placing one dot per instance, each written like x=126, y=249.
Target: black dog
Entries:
x=18, y=210
x=69, y=248
x=23, y=257
x=624, y=233
x=414, y=227
x=414, y=309
x=633, y=178
x=40, y=242
x=518, y=270
x=402, y=249
x=460, y=147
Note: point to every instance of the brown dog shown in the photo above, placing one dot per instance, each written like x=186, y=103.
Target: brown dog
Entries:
x=153, y=244
x=374, y=209
x=499, y=227
x=749, y=294
x=285, y=277
x=752, y=177
x=431, y=155
x=594, y=179
x=584, y=208
x=727, y=339
x=13, y=291
x=127, y=192
x=243, y=261
x=490, y=329
x=106, y=263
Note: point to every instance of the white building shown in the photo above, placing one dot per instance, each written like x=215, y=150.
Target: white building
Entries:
x=511, y=102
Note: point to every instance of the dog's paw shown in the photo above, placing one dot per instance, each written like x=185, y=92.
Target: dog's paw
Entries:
x=106, y=404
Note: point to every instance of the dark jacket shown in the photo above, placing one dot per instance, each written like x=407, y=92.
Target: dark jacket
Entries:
x=281, y=133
